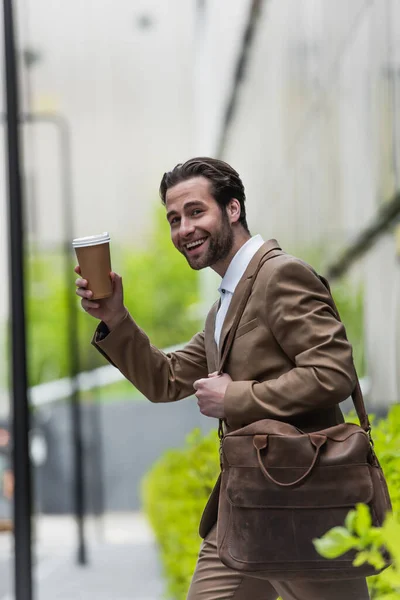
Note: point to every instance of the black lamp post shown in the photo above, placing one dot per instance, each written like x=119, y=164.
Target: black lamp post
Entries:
x=20, y=409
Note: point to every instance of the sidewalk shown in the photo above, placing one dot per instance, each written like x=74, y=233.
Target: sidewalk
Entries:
x=122, y=560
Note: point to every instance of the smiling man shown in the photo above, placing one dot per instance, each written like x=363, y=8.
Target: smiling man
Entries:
x=199, y=228
x=289, y=360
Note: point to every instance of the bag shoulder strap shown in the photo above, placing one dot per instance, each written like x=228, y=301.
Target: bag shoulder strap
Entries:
x=357, y=395
x=241, y=307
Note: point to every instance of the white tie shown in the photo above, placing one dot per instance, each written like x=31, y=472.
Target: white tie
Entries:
x=221, y=314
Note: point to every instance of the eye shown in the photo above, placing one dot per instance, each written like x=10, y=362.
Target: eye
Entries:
x=174, y=221
x=196, y=212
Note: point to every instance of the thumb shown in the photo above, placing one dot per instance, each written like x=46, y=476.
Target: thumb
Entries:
x=214, y=374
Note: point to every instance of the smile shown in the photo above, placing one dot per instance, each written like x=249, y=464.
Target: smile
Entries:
x=195, y=244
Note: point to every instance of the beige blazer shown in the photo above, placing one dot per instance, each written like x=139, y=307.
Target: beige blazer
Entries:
x=290, y=359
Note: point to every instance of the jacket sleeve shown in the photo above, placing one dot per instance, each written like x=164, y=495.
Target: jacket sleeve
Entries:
x=300, y=313
x=161, y=377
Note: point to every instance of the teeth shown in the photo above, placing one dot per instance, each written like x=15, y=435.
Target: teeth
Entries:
x=194, y=244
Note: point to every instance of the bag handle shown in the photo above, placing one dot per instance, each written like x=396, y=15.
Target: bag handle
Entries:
x=357, y=395
x=260, y=442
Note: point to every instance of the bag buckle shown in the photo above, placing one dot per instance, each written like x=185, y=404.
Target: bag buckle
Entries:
x=368, y=431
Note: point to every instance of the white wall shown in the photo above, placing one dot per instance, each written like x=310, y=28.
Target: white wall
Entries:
x=316, y=139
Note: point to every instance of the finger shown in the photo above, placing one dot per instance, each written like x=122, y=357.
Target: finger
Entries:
x=83, y=293
x=77, y=269
x=89, y=304
x=82, y=283
x=202, y=409
x=197, y=384
x=214, y=374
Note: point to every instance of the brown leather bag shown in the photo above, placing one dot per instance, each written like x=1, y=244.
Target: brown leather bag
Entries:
x=281, y=488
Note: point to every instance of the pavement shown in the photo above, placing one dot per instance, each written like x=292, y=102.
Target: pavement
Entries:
x=122, y=560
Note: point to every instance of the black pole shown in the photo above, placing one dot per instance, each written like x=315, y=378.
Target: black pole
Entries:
x=97, y=464
x=73, y=343
x=64, y=139
x=20, y=410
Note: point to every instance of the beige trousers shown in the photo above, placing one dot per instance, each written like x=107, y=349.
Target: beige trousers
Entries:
x=212, y=580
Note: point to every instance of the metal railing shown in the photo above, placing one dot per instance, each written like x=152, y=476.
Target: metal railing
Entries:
x=61, y=389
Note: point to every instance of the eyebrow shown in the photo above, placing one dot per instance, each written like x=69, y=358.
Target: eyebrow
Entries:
x=189, y=204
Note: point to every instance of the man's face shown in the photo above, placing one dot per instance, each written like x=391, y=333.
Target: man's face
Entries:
x=200, y=228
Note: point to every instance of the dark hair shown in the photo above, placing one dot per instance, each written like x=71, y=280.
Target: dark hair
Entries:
x=225, y=181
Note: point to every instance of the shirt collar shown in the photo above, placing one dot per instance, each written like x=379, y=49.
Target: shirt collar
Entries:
x=239, y=264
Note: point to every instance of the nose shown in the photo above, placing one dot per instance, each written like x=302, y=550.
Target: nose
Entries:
x=186, y=227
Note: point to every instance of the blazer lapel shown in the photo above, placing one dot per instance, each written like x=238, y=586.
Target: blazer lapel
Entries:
x=240, y=288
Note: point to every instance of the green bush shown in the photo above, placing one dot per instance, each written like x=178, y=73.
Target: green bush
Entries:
x=174, y=494
x=349, y=300
x=46, y=317
x=357, y=532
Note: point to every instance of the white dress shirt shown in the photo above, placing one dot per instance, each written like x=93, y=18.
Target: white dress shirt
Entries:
x=234, y=272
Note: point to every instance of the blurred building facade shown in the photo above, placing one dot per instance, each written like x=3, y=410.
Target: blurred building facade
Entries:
x=143, y=85
x=316, y=138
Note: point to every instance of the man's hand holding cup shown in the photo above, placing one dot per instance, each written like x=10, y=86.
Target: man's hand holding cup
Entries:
x=111, y=310
x=100, y=289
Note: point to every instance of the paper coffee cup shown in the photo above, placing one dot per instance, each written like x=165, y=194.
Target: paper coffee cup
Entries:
x=93, y=254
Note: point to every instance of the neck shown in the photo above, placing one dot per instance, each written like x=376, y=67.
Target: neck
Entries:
x=240, y=238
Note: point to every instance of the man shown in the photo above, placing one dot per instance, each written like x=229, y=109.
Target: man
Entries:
x=289, y=349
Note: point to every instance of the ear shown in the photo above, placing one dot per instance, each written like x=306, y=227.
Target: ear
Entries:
x=233, y=210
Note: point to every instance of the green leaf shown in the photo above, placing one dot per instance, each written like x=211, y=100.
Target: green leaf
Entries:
x=349, y=522
x=335, y=543
x=361, y=559
x=362, y=521
x=376, y=560
x=374, y=536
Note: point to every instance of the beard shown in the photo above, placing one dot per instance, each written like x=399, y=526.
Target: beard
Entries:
x=219, y=246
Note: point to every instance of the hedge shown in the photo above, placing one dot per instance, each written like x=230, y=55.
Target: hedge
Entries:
x=174, y=493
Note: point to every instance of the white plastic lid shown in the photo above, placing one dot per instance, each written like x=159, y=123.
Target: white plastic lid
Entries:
x=91, y=240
